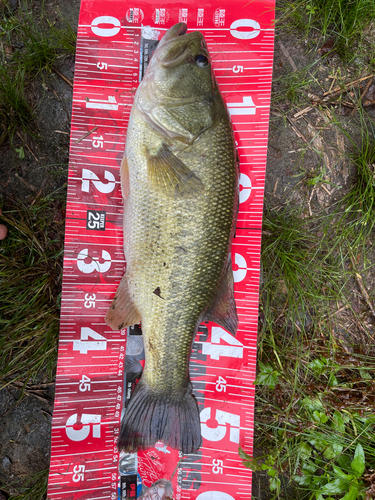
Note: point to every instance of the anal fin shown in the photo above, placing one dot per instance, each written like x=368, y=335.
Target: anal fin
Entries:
x=168, y=174
x=223, y=309
x=122, y=312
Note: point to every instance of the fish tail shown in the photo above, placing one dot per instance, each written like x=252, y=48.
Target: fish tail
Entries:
x=153, y=416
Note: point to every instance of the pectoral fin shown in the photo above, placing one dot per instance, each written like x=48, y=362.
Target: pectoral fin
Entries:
x=168, y=174
x=223, y=309
x=122, y=312
x=124, y=171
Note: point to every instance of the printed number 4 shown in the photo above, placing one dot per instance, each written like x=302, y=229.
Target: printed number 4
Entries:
x=99, y=343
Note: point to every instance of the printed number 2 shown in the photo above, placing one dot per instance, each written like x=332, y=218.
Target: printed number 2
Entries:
x=89, y=176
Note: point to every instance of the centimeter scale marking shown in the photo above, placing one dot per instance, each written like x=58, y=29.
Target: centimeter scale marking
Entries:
x=90, y=375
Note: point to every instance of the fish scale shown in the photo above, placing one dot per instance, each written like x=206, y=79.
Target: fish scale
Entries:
x=177, y=246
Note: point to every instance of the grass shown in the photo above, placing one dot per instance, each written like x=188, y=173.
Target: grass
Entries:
x=29, y=49
x=35, y=487
x=315, y=407
x=30, y=280
x=347, y=24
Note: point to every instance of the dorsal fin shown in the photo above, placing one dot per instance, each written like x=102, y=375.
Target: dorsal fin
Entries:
x=223, y=309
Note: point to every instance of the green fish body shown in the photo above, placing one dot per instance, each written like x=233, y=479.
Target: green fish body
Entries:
x=180, y=186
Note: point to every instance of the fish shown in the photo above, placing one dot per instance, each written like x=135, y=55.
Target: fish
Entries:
x=179, y=181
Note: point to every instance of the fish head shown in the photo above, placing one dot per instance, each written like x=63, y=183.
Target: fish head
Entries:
x=180, y=68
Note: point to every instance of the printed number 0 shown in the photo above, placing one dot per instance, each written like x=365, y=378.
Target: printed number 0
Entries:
x=245, y=23
x=214, y=495
x=105, y=32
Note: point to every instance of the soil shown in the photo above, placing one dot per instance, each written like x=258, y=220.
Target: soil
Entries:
x=297, y=148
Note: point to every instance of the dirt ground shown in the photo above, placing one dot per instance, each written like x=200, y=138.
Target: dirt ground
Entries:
x=297, y=147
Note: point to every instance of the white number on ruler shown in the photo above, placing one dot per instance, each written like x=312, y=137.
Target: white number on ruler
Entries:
x=94, y=265
x=88, y=175
x=237, y=69
x=217, y=466
x=241, y=270
x=79, y=473
x=110, y=103
x=90, y=300
x=245, y=23
x=97, y=142
x=214, y=495
x=215, y=349
x=102, y=65
x=86, y=420
x=116, y=26
x=221, y=384
x=219, y=432
x=246, y=107
x=245, y=192
x=84, y=384
x=84, y=345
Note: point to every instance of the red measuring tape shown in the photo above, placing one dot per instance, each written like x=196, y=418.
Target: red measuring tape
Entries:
x=115, y=41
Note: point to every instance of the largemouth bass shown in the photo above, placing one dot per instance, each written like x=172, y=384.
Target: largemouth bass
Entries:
x=179, y=179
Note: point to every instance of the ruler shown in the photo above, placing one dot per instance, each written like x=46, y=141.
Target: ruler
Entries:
x=98, y=368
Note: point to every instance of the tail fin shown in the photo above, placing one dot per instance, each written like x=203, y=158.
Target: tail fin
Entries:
x=151, y=417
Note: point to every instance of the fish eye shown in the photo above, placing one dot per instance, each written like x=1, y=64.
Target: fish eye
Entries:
x=201, y=61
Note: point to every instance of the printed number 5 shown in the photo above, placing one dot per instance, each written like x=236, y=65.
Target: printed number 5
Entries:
x=218, y=433
x=78, y=473
x=217, y=466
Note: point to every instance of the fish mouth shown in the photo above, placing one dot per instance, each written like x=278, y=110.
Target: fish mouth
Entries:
x=177, y=30
x=174, y=46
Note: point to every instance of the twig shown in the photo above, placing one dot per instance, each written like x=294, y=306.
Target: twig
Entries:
x=309, y=201
x=275, y=188
x=362, y=96
x=286, y=54
x=27, y=146
x=61, y=132
x=30, y=186
x=63, y=77
x=84, y=136
x=300, y=135
x=303, y=112
x=361, y=285
x=340, y=89
x=325, y=189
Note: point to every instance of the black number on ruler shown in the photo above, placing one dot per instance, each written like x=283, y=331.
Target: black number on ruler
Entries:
x=95, y=220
